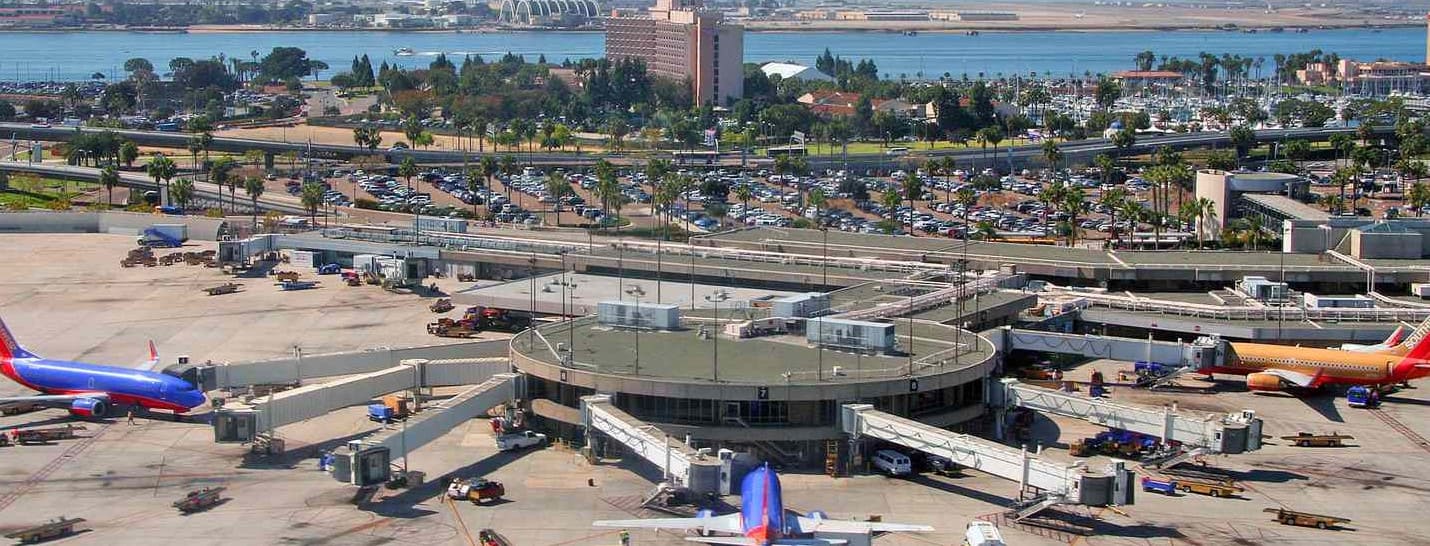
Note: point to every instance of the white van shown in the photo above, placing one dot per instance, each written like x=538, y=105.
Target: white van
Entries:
x=892, y=462
x=982, y=533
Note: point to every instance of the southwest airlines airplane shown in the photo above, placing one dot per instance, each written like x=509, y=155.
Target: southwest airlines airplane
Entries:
x=762, y=520
x=1280, y=367
x=89, y=390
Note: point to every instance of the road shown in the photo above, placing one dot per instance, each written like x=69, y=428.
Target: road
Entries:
x=967, y=157
x=202, y=190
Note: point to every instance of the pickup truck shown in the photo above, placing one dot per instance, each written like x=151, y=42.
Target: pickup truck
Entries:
x=520, y=440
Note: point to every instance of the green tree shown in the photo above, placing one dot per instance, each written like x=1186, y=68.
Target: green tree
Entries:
x=817, y=200
x=1221, y=160
x=743, y=193
x=182, y=192
x=990, y=136
x=1074, y=202
x=1418, y=197
x=128, y=153
x=1297, y=150
x=1123, y=140
x=1243, y=138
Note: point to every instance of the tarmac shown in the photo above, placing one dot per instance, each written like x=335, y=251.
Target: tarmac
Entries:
x=66, y=297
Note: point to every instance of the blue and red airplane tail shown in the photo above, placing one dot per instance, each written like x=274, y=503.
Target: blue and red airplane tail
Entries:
x=9, y=347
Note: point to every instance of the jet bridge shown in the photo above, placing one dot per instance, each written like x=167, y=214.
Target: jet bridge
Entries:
x=300, y=366
x=682, y=465
x=1205, y=351
x=367, y=461
x=1231, y=434
x=242, y=423
x=1053, y=483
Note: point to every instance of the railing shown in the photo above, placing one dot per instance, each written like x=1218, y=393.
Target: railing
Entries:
x=1197, y=310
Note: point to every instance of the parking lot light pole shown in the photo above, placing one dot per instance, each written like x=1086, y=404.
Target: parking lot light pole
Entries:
x=636, y=292
x=716, y=298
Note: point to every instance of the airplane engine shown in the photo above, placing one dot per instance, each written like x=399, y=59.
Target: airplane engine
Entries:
x=89, y=407
x=1265, y=382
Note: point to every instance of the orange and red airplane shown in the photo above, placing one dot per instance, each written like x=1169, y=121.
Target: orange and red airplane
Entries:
x=1280, y=367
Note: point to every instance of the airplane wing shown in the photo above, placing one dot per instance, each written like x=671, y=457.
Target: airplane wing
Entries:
x=153, y=361
x=743, y=541
x=811, y=525
x=52, y=399
x=1296, y=378
x=729, y=523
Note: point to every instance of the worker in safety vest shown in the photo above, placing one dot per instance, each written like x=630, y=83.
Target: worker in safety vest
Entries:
x=625, y=538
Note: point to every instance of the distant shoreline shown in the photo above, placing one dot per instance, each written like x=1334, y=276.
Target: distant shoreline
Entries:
x=894, y=27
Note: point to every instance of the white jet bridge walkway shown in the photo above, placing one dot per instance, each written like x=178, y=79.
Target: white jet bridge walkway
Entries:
x=681, y=465
x=367, y=461
x=242, y=423
x=1050, y=483
x=1194, y=431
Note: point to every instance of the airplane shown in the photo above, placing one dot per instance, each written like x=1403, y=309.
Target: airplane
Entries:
x=90, y=390
x=1278, y=367
x=1395, y=338
x=762, y=520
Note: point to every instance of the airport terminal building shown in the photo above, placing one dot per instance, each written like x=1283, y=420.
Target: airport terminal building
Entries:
x=745, y=378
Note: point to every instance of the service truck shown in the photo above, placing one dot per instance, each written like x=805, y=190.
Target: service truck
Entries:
x=166, y=235
x=520, y=440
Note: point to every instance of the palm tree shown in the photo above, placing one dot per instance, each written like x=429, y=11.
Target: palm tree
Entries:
x=913, y=190
x=1204, y=210
x=1112, y=199
x=1333, y=203
x=161, y=169
x=1074, y=202
x=890, y=199
x=109, y=178
x=407, y=170
x=182, y=191
x=817, y=200
x=1253, y=228
x=744, y=193
x=312, y=197
x=991, y=135
x=1052, y=154
x=1132, y=211
x=219, y=172
x=966, y=198
x=558, y=187
x=474, y=185
x=253, y=186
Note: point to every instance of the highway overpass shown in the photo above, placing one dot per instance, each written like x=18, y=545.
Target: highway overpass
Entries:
x=1017, y=156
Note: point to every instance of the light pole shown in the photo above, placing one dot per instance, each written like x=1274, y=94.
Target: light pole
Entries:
x=636, y=292
x=716, y=298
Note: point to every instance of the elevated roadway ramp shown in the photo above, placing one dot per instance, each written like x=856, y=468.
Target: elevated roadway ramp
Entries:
x=302, y=367
x=366, y=462
x=1230, y=434
x=1051, y=483
x=243, y=423
x=681, y=465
